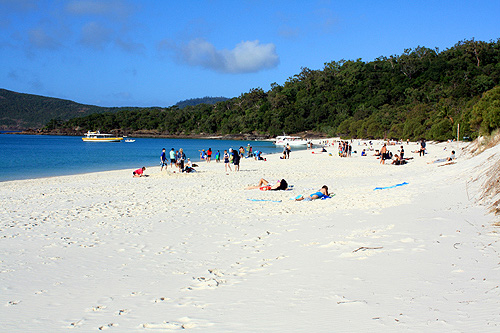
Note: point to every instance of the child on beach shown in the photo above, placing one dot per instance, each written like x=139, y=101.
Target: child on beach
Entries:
x=209, y=155
x=163, y=160
x=226, y=161
x=139, y=172
x=217, y=156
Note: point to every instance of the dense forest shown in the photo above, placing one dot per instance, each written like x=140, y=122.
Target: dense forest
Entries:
x=422, y=93
x=203, y=100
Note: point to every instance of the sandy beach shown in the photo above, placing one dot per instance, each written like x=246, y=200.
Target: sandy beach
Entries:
x=197, y=251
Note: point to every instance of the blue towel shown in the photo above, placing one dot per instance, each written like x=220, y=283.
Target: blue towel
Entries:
x=264, y=200
x=393, y=186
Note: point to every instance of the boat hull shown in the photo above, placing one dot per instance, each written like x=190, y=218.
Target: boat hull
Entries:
x=102, y=139
x=284, y=140
x=291, y=143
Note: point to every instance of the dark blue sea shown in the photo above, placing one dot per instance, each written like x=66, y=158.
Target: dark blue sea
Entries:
x=36, y=156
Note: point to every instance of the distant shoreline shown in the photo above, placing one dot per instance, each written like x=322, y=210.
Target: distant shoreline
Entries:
x=154, y=134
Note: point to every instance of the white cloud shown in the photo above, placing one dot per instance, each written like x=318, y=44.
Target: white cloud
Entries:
x=246, y=57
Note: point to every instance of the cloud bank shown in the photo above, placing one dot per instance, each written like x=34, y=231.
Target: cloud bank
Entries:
x=246, y=57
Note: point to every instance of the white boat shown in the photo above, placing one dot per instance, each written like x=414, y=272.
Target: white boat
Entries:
x=100, y=137
x=283, y=140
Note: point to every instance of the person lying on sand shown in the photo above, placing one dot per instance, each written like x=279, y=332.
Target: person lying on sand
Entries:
x=263, y=185
x=139, y=172
x=448, y=159
x=323, y=192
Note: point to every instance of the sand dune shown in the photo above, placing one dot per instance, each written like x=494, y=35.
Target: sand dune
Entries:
x=197, y=251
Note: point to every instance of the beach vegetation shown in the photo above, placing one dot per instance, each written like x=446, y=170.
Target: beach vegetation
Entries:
x=421, y=93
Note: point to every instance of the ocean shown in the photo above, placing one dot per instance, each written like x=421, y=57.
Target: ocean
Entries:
x=37, y=156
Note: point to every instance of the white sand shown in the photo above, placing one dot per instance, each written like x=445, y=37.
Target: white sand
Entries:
x=189, y=251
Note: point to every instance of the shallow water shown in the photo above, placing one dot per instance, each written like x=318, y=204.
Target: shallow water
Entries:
x=35, y=156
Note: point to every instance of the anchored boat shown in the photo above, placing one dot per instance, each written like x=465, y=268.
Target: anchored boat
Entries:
x=283, y=140
x=100, y=137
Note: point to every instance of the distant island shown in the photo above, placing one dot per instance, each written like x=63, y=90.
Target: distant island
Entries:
x=423, y=93
x=19, y=111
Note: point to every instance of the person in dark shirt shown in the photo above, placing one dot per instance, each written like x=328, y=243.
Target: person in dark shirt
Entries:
x=236, y=160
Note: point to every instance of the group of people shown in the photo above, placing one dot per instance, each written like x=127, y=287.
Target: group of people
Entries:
x=207, y=155
x=282, y=185
x=231, y=157
x=345, y=149
x=400, y=159
x=397, y=159
x=286, y=151
x=177, y=159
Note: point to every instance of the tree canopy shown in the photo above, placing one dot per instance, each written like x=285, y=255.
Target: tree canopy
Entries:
x=422, y=93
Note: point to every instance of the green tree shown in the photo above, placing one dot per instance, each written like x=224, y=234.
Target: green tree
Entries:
x=486, y=113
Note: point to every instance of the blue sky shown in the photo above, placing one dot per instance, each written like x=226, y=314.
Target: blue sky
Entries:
x=156, y=53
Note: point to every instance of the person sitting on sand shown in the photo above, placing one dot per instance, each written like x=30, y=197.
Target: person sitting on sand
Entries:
x=139, y=172
x=323, y=192
x=448, y=159
x=421, y=151
x=397, y=160
x=263, y=185
x=189, y=167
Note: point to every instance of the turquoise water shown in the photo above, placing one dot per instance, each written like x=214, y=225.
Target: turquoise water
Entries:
x=36, y=156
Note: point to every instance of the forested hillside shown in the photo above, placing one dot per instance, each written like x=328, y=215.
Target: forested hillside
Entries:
x=422, y=93
x=196, y=101
x=20, y=111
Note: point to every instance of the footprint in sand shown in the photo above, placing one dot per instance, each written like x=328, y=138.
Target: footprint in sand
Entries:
x=108, y=326
x=97, y=308
x=162, y=326
x=182, y=323
x=123, y=312
x=76, y=323
x=161, y=299
x=210, y=282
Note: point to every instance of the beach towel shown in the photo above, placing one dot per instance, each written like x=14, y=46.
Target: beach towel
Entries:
x=264, y=200
x=323, y=198
x=393, y=186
